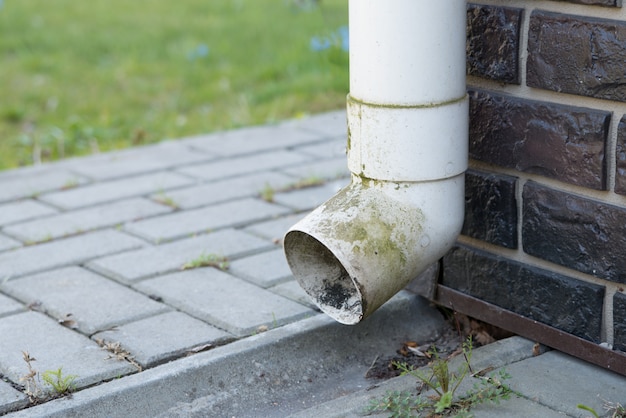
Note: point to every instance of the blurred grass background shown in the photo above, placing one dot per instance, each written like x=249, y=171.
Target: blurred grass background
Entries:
x=87, y=76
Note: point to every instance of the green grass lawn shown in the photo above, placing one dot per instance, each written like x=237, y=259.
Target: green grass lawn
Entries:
x=79, y=76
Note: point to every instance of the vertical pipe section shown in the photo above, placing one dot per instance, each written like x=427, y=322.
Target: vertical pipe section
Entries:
x=407, y=152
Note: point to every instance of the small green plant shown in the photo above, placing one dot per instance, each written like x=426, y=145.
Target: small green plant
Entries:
x=311, y=181
x=267, y=193
x=70, y=184
x=46, y=238
x=207, y=260
x=304, y=183
x=61, y=384
x=588, y=409
x=166, y=200
x=616, y=409
x=439, y=378
x=398, y=404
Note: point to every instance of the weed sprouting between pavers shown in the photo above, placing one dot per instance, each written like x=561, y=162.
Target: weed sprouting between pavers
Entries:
x=166, y=200
x=60, y=384
x=118, y=353
x=304, y=183
x=615, y=409
x=444, y=383
x=207, y=260
x=268, y=192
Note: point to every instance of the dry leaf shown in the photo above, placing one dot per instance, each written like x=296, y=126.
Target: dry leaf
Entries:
x=68, y=322
x=483, y=372
x=34, y=305
x=483, y=338
x=199, y=349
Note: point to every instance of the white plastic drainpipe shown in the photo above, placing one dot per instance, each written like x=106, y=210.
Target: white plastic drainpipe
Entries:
x=407, y=152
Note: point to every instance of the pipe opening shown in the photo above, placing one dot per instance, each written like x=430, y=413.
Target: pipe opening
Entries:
x=323, y=277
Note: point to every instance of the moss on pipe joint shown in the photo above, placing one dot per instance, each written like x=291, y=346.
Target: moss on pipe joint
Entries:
x=351, y=99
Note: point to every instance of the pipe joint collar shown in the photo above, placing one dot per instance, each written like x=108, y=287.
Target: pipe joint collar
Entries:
x=408, y=143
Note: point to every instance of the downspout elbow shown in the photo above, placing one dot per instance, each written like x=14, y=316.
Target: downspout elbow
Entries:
x=372, y=238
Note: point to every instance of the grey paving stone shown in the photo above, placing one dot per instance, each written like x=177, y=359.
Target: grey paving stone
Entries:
x=34, y=182
x=9, y=306
x=558, y=381
x=92, y=302
x=310, y=197
x=10, y=398
x=276, y=228
x=23, y=210
x=223, y=300
x=160, y=338
x=131, y=266
x=330, y=124
x=232, y=167
x=115, y=190
x=137, y=160
x=292, y=290
x=53, y=346
x=75, y=250
x=516, y=407
x=181, y=224
x=327, y=169
x=252, y=140
x=265, y=269
x=326, y=149
x=7, y=243
x=234, y=188
x=78, y=221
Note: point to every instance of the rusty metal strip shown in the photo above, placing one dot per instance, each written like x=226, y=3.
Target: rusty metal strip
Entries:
x=533, y=330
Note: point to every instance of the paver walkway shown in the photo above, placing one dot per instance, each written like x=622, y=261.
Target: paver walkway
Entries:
x=97, y=278
x=92, y=249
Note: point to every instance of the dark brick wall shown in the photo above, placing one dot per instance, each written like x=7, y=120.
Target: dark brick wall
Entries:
x=575, y=232
x=607, y=3
x=563, y=302
x=592, y=66
x=619, y=315
x=547, y=165
x=562, y=142
x=491, y=208
x=620, y=155
x=493, y=42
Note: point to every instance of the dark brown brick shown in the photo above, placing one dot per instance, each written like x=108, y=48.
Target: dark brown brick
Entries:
x=490, y=208
x=577, y=55
x=620, y=155
x=575, y=232
x=562, y=142
x=493, y=42
x=619, y=321
x=607, y=3
x=560, y=301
